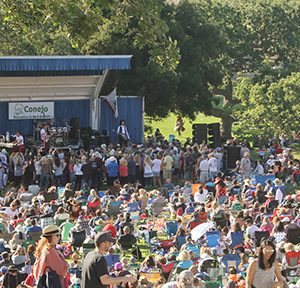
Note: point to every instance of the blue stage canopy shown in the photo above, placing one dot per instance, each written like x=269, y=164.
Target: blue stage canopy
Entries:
x=61, y=65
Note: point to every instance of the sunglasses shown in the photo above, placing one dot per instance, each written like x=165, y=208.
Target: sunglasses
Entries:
x=268, y=250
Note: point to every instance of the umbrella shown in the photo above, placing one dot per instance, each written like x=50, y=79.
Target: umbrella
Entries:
x=200, y=230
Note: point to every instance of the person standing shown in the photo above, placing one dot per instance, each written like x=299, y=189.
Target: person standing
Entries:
x=246, y=166
x=203, y=168
x=123, y=134
x=19, y=142
x=94, y=269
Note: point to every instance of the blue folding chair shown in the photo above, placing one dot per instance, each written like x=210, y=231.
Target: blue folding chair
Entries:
x=101, y=194
x=112, y=259
x=231, y=260
x=171, y=227
x=263, y=178
x=237, y=239
x=133, y=207
x=180, y=240
x=212, y=238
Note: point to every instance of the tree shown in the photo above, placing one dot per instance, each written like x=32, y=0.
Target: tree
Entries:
x=273, y=109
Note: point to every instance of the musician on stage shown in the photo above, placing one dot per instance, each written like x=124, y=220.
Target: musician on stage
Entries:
x=44, y=135
x=123, y=134
x=19, y=142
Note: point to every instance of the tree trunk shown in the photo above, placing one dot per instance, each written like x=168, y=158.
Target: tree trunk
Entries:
x=227, y=122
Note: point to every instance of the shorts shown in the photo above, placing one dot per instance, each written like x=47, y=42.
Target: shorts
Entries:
x=156, y=174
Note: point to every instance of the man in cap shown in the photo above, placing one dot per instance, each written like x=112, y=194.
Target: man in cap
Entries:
x=94, y=270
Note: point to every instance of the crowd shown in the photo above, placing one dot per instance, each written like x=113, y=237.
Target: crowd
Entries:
x=162, y=214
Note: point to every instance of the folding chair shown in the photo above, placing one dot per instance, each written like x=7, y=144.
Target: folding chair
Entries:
x=133, y=207
x=35, y=236
x=180, y=240
x=114, y=208
x=208, y=264
x=167, y=270
x=152, y=277
x=112, y=259
x=237, y=240
x=259, y=236
x=78, y=238
x=149, y=235
x=231, y=260
x=171, y=228
x=212, y=238
x=194, y=224
x=87, y=246
x=215, y=278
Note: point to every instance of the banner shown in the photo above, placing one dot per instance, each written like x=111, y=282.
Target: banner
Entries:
x=112, y=100
x=30, y=110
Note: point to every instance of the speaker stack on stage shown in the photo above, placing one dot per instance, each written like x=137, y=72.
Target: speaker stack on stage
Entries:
x=199, y=133
x=231, y=155
x=74, y=130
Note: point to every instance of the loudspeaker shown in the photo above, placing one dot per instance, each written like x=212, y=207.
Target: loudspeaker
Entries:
x=75, y=126
x=214, y=135
x=232, y=154
x=199, y=133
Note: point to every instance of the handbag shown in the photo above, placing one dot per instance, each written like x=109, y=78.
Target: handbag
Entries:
x=49, y=279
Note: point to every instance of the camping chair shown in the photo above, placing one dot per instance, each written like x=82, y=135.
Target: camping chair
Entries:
x=292, y=259
x=186, y=218
x=46, y=220
x=157, y=207
x=26, y=243
x=212, y=238
x=35, y=236
x=171, y=228
x=112, y=259
x=133, y=207
x=152, y=277
x=149, y=235
x=193, y=248
x=166, y=244
x=87, y=246
x=180, y=240
x=259, y=236
x=215, y=278
x=114, y=208
x=167, y=270
x=208, y=264
x=237, y=240
x=231, y=260
x=78, y=238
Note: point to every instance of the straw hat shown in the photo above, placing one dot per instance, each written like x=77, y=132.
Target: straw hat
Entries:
x=277, y=182
x=269, y=195
x=51, y=230
x=246, y=154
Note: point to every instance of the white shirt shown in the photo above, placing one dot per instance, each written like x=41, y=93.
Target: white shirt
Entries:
x=213, y=164
x=77, y=169
x=156, y=165
x=204, y=165
x=20, y=140
x=251, y=230
x=200, y=198
x=10, y=213
x=43, y=134
x=279, y=196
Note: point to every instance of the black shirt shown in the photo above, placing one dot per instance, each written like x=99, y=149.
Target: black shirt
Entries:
x=94, y=266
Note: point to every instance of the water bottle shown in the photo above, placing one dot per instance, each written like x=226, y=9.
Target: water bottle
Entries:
x=7, y=137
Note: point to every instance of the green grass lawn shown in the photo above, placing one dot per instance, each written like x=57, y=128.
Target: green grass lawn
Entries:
x=167, y=125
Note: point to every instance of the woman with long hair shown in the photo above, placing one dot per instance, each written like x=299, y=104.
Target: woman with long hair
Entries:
x=264, y=271
x=47, y=257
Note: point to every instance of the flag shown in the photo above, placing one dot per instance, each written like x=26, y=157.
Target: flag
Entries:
x=112, y=101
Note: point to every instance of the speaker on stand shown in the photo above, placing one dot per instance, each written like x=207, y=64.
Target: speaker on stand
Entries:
x=199, y=133
x=232, y=154
x=74, y=130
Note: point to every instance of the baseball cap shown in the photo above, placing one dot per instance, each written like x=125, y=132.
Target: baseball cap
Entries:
x=104, y=236
x=3, y=269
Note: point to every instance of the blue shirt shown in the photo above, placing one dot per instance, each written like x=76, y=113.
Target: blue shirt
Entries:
x=113, y=169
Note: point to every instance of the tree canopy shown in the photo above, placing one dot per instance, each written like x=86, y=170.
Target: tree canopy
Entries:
x=184, y=52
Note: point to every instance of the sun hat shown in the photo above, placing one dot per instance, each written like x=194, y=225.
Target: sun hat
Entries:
x=103, y=237
x=186, y=279
x=269, y=195
x=277, y=181
x=51, y=230
x=217, y=180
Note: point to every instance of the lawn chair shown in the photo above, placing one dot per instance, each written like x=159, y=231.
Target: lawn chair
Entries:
x=133, y=207
x=167, y=270
x=194, y=224
x=208, y=264
x=149, y=235
x=212, y=238
x=78, y=238
x=87, y=246
x=112, y=259
x=180, y=240
x=35, y=236
x=259, y=236
x=231, y=260
x=157, y=206
x=171, y=227
x=114, y=208
x=186, y=218
x=152, y=276
x=237, y=240
x=215, y=278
